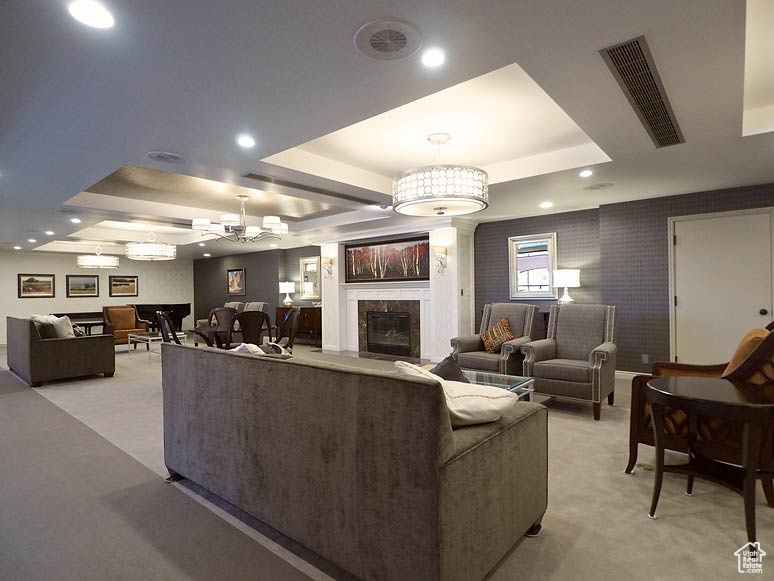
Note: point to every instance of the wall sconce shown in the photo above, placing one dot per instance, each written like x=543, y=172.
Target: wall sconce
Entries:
x=327, y=266
x=439, y=252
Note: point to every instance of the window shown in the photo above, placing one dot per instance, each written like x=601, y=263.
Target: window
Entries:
x=532, y=259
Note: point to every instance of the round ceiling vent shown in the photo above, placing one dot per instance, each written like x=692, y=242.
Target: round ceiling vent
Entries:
x=387, y=40
x=602, y=186
x=168, y=157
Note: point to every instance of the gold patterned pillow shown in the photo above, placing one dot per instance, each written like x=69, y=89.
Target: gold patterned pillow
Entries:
x=496, y=336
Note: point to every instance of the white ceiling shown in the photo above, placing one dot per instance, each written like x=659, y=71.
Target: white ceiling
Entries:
x=494, y=119
x=78, y=104
x=759, y=68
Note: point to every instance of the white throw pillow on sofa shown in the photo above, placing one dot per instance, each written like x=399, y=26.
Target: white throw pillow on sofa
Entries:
x=275, y=351
x=468, y=403
x=62, y=325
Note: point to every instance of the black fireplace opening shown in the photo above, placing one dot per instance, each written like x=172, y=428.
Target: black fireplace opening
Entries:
x=389, y=333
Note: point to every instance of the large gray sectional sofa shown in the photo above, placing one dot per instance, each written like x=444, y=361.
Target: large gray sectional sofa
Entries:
x=361, y=467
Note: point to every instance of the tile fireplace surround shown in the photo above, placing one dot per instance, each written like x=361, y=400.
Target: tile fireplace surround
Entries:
x=390, y=306
x=356, y=294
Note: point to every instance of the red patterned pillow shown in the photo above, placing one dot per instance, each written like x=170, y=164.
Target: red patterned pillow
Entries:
x=496, y=336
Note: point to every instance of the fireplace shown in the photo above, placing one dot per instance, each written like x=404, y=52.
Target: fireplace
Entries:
x=389, y=327
x=388, y=333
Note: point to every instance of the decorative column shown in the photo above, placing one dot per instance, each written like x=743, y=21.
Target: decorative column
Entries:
x=334, y=299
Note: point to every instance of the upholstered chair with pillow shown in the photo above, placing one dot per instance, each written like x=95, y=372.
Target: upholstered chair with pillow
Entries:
x=505, y=327
x=752, y=363
x=577, y=358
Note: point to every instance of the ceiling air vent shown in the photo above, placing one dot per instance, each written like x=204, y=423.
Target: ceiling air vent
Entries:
x=632, y=66
x=601, y=186
x=387, y=40
x=167, y=157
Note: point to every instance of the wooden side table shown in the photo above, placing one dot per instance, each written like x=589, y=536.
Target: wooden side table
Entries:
x=734, y=401
x=309, y=323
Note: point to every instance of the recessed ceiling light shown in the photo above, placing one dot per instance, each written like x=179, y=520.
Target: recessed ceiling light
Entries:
x=32, y=241
x=273, y=245
x=586, y=173
x=75, y=220
x=49, y=232
x=17, y=247
x=546, y=205
x=245, y=140
x=91, y=13
x=206, y=255
x=433, y=58
x=201, y=243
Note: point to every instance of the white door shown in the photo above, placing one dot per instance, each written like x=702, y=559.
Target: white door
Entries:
x=722, y=283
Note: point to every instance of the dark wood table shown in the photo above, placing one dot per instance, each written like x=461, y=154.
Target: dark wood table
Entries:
x=734, y=401
x=88, y=325
x=213, y=336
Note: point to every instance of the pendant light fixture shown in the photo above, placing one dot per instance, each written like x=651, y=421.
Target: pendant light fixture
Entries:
x=97, y=260
x=440, y=190
x=233, y=227
x=151, y=250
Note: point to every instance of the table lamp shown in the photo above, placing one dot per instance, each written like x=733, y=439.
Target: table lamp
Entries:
x=287, y=287
x=567, y=278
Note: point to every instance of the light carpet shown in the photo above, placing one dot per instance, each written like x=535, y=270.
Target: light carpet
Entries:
x=596, y=526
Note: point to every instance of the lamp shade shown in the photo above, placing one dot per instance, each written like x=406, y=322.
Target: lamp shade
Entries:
x=232, y=220
x=287, y=287
x=568, y=277
x=201, y=224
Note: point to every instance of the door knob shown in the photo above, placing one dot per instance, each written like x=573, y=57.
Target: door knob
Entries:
x=763, y=312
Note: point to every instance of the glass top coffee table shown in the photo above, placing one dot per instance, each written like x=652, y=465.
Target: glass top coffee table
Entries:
x=523, y=387
x=149, y=339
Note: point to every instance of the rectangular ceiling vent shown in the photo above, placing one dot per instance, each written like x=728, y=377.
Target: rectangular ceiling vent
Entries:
x=632, y=66
x=267, y=179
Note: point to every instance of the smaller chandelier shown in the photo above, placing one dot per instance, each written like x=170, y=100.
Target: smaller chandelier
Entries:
x=97, y=260
x=440, y=190
x=150, y=249
x=233, y=227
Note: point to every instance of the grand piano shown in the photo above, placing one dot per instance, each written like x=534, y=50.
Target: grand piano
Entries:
x=177, y=312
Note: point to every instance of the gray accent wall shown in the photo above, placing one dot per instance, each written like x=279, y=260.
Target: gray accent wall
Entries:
x=263, y=272
x=622, y=251
x=634, y=243
x=577, y=241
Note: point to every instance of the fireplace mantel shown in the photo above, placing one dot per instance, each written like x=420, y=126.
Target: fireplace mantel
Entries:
x=388, y=293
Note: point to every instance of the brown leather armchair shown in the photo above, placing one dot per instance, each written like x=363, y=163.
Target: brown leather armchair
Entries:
x=716, y=438
x=122, y=320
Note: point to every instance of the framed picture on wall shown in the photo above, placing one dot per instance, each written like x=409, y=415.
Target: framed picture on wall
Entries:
x=394, y=260
x=235, y=281
x=124, y=286
x=82, y=285
x=33, y=286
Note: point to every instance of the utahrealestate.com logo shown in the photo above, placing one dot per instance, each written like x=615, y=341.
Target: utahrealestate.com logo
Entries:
x=750, y=558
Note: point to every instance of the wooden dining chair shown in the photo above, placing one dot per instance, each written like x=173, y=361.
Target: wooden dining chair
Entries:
x=167, y=328
x=718, y=439
x=287, y=330
x=248, y=327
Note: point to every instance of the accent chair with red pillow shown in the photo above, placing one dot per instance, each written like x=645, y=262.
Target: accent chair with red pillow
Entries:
x=505, y=327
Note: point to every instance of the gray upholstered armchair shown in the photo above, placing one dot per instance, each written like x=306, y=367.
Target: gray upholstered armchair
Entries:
x=577, y=359
x=469, y=351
